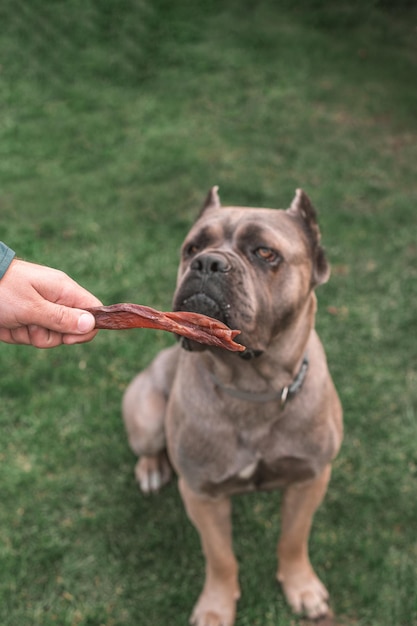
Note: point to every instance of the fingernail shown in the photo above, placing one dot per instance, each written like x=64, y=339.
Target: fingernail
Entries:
x=86, y=322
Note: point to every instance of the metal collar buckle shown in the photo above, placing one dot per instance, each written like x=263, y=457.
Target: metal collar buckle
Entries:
x=284, y=396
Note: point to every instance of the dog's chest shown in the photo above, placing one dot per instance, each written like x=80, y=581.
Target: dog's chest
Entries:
x=233, y=460
x=260, y=475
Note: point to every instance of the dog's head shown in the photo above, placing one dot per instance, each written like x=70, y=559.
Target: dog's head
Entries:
x=251, y=268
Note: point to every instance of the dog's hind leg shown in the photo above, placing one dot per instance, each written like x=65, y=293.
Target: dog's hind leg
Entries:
x=212, y=518
x=152, y=472
x=304, y=591
x=144, y=407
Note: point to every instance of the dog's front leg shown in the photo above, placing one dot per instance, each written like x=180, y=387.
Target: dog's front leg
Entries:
x=303, y=589
x=212, y=518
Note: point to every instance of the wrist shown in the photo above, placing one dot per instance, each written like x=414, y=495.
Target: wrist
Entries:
x=6, y=257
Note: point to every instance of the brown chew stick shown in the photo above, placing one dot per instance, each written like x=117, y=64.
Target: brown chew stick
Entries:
x=194, y=326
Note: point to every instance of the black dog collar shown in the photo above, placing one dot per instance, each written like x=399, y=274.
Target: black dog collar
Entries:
x=285, y=394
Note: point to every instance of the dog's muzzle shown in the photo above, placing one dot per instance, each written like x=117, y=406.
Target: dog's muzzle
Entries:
x=206, y=289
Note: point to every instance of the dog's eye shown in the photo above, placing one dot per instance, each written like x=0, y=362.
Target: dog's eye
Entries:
x=268, y=255
x=191, y=249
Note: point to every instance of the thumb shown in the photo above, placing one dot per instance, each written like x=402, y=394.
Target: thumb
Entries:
x=67, y=320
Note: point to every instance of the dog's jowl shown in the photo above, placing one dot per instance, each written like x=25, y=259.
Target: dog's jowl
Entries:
x=265, y=418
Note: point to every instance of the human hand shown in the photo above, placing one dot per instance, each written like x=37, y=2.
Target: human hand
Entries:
x=43, y=307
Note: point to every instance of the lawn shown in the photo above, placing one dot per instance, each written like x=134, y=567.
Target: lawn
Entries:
x=115, y=120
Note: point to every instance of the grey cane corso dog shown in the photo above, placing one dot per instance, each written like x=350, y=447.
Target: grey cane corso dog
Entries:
x=230, y=423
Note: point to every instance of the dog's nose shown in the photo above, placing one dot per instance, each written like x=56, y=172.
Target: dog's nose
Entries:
x=210, y=263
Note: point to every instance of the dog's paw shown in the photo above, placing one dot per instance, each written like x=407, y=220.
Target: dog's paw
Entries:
x=306, y=594
x=152, y=472
x=209, y=618
x=215, y=608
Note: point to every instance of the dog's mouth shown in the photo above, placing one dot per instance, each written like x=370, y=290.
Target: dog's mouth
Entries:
x=202, y=303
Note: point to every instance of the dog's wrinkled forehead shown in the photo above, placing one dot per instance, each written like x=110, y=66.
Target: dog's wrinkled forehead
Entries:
x=238, y=227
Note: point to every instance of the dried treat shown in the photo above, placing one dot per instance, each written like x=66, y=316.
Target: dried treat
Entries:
x=194, y=326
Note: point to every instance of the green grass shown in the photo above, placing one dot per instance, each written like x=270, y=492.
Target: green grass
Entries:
x=115, y=119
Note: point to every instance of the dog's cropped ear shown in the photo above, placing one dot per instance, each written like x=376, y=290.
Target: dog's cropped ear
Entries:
x=302, y=209
x=212, y=201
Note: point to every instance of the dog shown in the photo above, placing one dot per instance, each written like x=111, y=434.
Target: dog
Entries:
x=266, y=418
